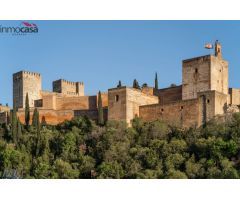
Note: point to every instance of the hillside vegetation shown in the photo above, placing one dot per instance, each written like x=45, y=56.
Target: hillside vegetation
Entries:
x=81, y=149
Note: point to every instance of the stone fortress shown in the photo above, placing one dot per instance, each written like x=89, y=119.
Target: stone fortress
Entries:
x=204, y=94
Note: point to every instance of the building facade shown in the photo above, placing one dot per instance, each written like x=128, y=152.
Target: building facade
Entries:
x=204, y=94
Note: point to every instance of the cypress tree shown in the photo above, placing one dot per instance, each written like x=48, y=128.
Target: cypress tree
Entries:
x=156, y=81
x=14, y=124
x=19, y=130
x=100, y=109
x=38, y=121
x=8, y=119
x=27, y=111
x=35, y=120
x=43, y=122
x=119, y=84
x=135, y=84
x=38, y=142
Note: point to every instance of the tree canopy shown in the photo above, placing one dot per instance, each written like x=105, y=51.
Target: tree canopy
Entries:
x=80, y=148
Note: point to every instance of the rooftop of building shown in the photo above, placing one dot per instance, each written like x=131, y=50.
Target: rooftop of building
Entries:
x=27, y=72
x=68, y=82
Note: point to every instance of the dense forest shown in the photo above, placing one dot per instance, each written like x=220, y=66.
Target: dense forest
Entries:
x=82, y=149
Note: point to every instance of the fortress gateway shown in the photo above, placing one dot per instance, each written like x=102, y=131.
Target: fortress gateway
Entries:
x=204, y=94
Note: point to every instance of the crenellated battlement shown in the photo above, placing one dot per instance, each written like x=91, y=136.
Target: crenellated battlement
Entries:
x=69, y=82
x=204, y=93
x=31, y=73
x=68, y=87
x=35, y=74
x=25, y=82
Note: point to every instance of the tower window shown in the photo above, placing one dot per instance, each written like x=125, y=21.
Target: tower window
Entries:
x=196, y=70
x=162, y=109
x=116, y=98
x=208, y=101
x=181, y=107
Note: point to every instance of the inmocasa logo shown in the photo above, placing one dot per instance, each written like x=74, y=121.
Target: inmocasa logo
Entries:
x=23, y=29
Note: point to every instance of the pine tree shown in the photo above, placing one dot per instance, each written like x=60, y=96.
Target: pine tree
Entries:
x=27, y=111
x=119, y=84
x=100, y=109
x=14, y=124
x=135, y=84
x=156, y=81
x=35, y=119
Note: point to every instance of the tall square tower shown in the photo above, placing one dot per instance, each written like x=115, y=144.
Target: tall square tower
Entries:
x=68, y=88
x=23, y=83
x=205, y=73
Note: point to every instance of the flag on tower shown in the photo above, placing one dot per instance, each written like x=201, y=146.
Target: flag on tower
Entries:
x=208, y=46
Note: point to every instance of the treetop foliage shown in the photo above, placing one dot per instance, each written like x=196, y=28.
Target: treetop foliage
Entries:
x=82, y=149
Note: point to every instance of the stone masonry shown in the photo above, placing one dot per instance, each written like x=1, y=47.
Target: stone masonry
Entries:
x=203, y=95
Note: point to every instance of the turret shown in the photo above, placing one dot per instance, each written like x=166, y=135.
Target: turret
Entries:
x=218, y=50
x=26, y=82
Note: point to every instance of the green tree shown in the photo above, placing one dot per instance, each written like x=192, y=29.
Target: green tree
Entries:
x=100, y=109
x=173, y=85
x=27, y=111
x=35, y=119
x=42, y=170
x=136, y=84
x=228, y=170
x=176, y=174
x=65, y=170
x=86, y=166
x=14, y=124
x=156, y=81
x=194, y=169
x=39, y=141
x=8, y=119
x=19, y=130
x=119, y=84
x=43, y=122
x=144, y=85
x=110, y=170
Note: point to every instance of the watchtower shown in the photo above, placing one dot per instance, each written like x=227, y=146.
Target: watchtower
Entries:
x=68, y=87
x=26, y=82
x=205, y=73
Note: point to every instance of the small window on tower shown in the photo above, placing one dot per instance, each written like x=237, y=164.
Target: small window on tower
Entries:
x=196, y=70
x=208, y=101
x=181, y=107
x=162, y=110
x=117, y=98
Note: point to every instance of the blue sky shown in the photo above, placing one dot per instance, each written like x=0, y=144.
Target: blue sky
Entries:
x=100, y=53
